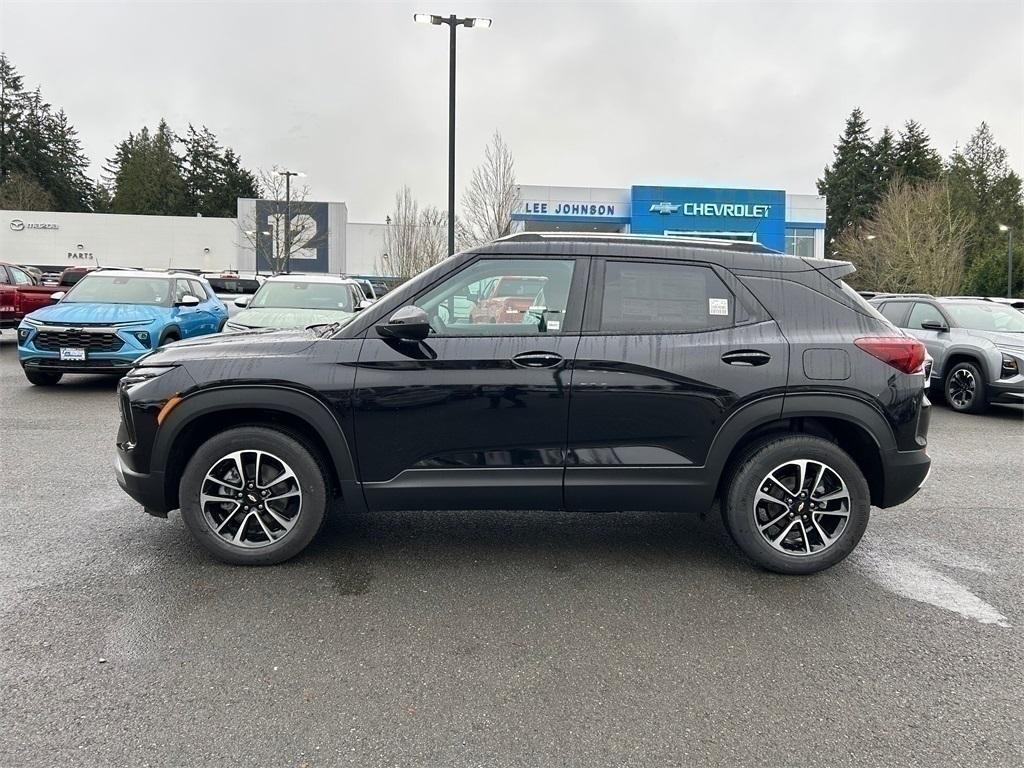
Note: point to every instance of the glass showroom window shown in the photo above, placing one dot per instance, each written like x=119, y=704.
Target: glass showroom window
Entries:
x=800, y=242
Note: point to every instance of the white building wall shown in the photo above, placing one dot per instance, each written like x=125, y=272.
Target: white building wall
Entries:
x=365, y=249
x=116, y=240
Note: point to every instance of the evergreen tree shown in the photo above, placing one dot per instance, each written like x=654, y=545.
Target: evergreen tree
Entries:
x=850, y=183
x=213, y=176
x=884, y=157
x=983, y=184
x=916, y=160
x=145, y=174
x=70, y=185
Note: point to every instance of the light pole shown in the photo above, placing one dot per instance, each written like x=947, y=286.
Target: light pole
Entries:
x=453, y=22
x=288, y=215
x=1009, y=260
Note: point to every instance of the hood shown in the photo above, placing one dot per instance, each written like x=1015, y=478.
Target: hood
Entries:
x=246, y=344
x=1015, y=340
x=95, y=314
x=275, y=317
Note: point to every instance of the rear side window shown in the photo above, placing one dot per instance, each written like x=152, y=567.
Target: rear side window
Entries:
x=647, y=297
x=3, y=277
x=895, y=312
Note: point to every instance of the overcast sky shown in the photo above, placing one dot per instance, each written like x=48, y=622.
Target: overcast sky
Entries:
x=749, y=94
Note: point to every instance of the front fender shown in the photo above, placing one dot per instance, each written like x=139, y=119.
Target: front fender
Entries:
x=263, y=399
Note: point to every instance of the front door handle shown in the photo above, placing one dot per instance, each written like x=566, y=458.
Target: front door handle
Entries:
x=537, y=360
x=746, y=357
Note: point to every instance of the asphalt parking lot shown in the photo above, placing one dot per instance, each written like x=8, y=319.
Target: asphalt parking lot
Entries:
x=492, y=639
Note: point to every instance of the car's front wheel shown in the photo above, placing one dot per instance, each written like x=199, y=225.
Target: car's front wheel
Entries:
x=43, y=378
x=253, y=496
x=796, y=504
x=964, y=388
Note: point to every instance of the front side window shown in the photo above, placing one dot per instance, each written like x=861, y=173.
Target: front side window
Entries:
x=181, y=290
x=501, y=297
x=647, y=297
x=923, y=313
x=198, y=290
x=121, y=289
x=298, y=294
x=3, y=277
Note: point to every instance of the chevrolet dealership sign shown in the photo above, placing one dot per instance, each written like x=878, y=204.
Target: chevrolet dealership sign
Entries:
x=736, y=210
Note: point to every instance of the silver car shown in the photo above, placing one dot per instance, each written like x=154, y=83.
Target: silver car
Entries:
x=977, y=345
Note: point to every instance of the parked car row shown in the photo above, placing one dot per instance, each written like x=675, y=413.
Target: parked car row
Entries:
x=977, y=345
x=111, y=317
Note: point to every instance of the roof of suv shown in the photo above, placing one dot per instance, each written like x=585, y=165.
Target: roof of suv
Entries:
x=729, y=253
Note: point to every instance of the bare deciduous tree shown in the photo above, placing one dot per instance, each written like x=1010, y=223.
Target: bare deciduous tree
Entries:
x=304, y=234
x=914, y=242
x=23, y=193
x=492, y=197
x=413, y=239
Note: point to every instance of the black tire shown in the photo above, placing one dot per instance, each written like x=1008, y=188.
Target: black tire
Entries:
x=310, y=478
x=957, y=392
x=754, y=466
x=168, y=337
x=43, y=378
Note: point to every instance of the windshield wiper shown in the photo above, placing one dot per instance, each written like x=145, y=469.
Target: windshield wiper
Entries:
x=328, y=328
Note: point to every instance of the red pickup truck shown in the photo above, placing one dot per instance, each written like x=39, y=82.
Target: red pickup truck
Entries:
x=20, y=294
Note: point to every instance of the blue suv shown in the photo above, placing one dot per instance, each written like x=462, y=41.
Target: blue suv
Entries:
x=110, y=318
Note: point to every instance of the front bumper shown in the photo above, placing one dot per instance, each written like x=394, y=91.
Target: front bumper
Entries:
x=118, y=361
x=1007, y=390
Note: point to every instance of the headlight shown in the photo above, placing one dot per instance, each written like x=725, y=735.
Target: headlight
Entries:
x=30, y=321
x=1010, y=366
x=236, y=327
x=136, y=375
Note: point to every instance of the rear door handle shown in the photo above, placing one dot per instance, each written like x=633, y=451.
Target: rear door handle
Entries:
x=537, y=360
x=746, y=357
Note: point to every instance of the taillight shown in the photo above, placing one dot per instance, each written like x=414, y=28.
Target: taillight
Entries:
x=901, y=352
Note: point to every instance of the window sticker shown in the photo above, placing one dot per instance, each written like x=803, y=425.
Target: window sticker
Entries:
x=718, y=307
x=554, y=325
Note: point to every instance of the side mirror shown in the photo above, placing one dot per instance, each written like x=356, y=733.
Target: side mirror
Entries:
x=364, y=304
x=188, y=300
x=407, y=324
x=934, y=325
x=242, y=301
x=58, y=295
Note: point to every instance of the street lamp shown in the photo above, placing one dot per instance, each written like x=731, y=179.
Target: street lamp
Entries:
x=453, y=22
x=1009, y=260
x=288, y=214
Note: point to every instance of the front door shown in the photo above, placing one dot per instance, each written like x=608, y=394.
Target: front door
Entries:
x=476, y=415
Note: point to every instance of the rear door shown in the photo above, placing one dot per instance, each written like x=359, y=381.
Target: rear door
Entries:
x=475, y=416
x=669, y=351
x=7, y=299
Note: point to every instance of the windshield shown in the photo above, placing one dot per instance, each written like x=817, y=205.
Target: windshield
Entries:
x=121, y=289
x=301, y=295
x=983, y=316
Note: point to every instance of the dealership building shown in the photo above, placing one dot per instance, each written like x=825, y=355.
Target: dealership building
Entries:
x=791, y=223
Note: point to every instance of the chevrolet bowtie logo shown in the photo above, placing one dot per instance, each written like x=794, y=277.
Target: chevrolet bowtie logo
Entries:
x=664, y=208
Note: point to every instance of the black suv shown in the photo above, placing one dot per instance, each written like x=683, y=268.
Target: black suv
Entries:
x=619, y=373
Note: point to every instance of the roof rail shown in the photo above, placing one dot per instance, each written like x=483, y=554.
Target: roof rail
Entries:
x=638, y=239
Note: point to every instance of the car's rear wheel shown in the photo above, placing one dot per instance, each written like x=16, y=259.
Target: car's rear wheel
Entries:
x=964, y=388
x=796, y=504
x=43, y=378
x=253, y=496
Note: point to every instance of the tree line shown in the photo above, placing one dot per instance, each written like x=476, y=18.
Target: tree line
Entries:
x=913, y=221
x=159, y=172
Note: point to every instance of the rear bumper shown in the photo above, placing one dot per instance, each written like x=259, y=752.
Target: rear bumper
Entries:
x=147, y=489
x=905, y=473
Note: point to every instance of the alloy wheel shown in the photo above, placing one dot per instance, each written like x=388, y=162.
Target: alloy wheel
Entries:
x=961, y=389
x=802, y=507
x=251, y=499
